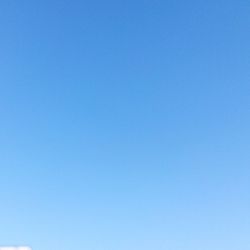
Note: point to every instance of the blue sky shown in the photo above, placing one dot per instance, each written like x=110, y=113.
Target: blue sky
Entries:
x=125, y=124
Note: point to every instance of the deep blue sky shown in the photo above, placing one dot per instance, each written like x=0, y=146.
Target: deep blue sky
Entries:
x=125, y=125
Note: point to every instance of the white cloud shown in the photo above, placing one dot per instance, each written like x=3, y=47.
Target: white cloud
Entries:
x=15, y=248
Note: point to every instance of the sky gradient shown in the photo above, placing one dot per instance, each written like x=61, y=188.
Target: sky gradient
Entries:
x=125, y=125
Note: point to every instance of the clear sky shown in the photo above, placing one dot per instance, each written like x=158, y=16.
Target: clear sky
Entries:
x=125, y=125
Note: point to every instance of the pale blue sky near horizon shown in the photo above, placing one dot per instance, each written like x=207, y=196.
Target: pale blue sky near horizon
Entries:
x=125, y=124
